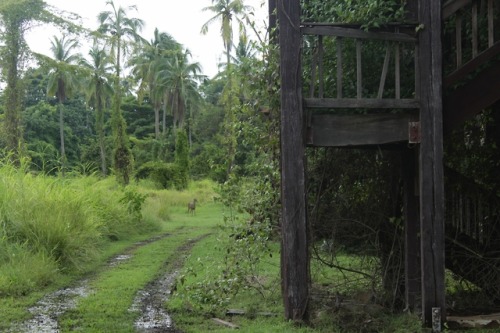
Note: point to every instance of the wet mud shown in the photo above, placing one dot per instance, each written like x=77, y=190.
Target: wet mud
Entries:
x=149, y=302
x=48, y=310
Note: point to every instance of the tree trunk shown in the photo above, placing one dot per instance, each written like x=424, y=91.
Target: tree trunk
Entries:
x=61, y=134
x=157, y=121
x=100, y=133
x=12, y=93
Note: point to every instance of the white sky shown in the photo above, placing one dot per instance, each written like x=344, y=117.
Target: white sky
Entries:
x=180, y=18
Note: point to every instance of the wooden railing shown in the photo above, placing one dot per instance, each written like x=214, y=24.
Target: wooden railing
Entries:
x=469, y=36
x=472, y=210
x=328, y=85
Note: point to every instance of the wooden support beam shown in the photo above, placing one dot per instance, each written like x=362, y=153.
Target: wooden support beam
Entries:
x=329, y=130
x=356, y=33
x=431, y=160
x=361, y=103
x=412, y=228
x=470, y=99
x=472, y=65
x=294, y=246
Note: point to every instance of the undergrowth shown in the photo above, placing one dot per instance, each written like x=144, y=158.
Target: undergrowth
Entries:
x=52, y=226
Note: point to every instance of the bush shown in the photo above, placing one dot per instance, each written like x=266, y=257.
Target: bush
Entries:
x=164, y=175
x=51, y=226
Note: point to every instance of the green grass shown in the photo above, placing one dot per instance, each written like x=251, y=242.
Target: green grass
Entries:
x=206, y=273
x=55, y=231
x=113, y=290
x=204, y=265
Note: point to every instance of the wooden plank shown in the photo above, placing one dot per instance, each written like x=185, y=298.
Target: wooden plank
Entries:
x=431, y=160
x=385, y=68
x=329, y=130
x=320, y=67
x=340, y=70
x=357, y=33
x=450, y=7
x=458, y=38
x=472, y=65
x=491, y=25
x=475, y=41
x=412, y=228
x=470, y=99
x=225, y=323
x=294, y=231
x=314, y=66
x=397, y=71
x=364, y=103
x=417, y=73
x=359, y=70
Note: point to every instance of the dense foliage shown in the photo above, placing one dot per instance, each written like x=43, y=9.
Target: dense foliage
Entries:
x=167, y=124
x=52, y=226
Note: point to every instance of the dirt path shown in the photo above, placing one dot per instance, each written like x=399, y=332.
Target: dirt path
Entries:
x=149, y=301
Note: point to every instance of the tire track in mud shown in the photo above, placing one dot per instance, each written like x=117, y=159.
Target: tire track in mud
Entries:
x=149, y=301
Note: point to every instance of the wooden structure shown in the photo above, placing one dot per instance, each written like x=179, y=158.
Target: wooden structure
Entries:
x=419, y=115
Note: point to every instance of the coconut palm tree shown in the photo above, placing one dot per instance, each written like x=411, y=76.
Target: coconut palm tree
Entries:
x=98, y=91
x=180, y=80
x=225, y=11
x=62, y=79
x=146, y=64
x=118, y=28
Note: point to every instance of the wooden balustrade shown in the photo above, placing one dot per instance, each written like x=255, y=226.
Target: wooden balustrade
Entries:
x=472, y=210
x=336, y=94
x=470, y=24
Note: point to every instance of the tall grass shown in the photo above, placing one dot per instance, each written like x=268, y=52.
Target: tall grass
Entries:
x=50, y=226
x=164, y=203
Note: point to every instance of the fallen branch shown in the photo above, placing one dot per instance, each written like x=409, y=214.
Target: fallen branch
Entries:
x=225, y=323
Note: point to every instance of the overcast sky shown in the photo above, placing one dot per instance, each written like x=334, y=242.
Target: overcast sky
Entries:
x=182, y=19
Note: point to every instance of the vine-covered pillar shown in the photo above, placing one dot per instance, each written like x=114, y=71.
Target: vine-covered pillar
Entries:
x=431, y=163
x=294, y=248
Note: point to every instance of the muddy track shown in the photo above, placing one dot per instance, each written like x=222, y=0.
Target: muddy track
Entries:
x=149, y=301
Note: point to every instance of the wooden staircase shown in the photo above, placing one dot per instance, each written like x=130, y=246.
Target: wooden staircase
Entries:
x=472, y=50
x=433, y=75
x=337, y=85
x=471, y=82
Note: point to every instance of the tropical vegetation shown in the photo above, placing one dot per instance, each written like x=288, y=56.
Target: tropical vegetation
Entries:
x=98, y=143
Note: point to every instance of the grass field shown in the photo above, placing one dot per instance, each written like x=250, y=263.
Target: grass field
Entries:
x=227, y=268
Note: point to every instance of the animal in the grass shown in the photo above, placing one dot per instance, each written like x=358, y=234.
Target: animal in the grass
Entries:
x=192, y=206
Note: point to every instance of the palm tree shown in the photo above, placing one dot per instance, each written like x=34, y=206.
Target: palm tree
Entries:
x=98, y=91
x=62, y=79
x=121, y=28
x=225, y=11
x=180, y=80
x=146, y=65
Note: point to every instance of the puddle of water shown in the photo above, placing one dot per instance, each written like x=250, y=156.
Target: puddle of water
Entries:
x=149, y=302
x=47, y=311
x=119, y=258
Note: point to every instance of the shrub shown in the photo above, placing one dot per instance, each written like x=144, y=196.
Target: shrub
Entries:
x=165, y=175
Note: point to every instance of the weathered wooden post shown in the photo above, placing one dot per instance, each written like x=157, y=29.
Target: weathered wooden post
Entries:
x=412, y=226
x=431, y=159
x=294, y=247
